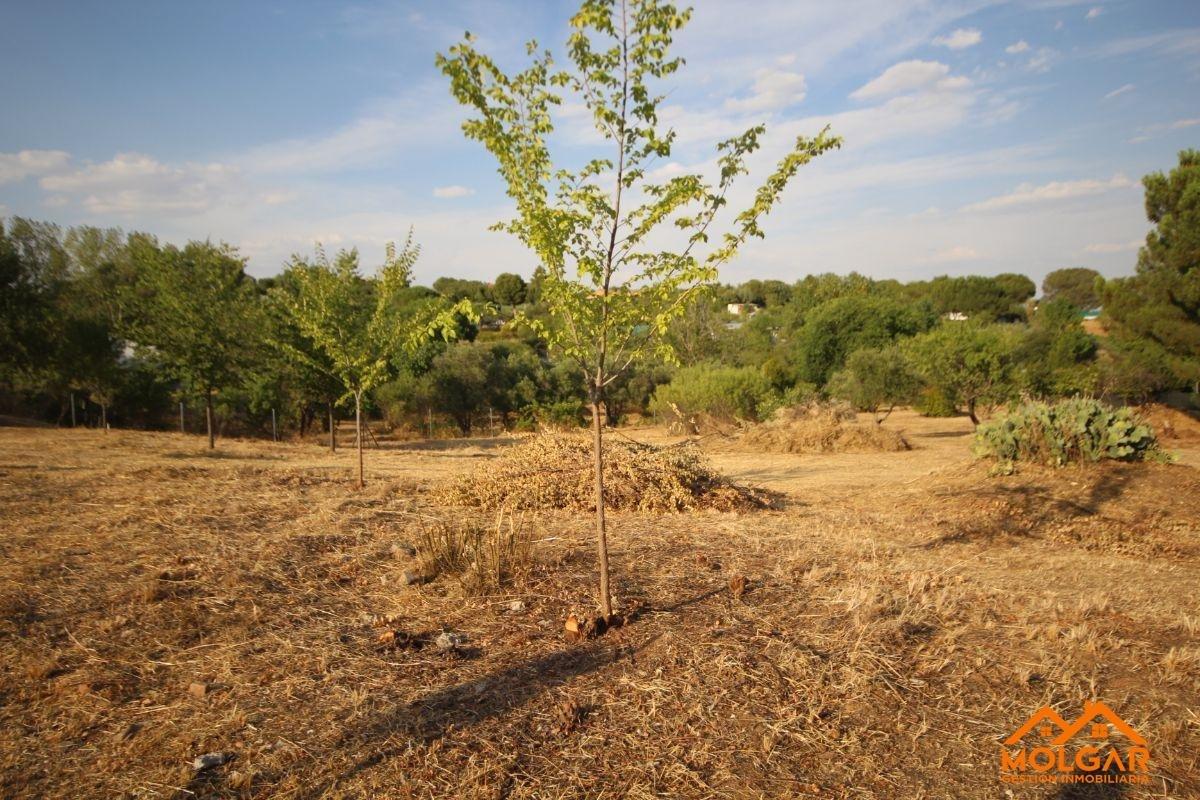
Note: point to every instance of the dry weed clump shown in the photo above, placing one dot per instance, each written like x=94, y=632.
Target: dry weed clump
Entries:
x=554, y=471
x=821, y=428
x=482, y=557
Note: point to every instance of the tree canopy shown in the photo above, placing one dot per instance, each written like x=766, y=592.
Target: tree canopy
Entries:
x=1074, y=285
x=1160, y=305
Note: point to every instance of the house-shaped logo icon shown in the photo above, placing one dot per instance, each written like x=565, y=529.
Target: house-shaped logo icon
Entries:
x=1045, y=721
x=1102, y=719
x=1048, y=749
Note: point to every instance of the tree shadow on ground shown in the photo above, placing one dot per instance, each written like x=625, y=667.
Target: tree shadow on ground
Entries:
x=223, y=455
x=442, y=445
x=1090, y=791
x=1022, y=511
x=500, y=693
x=941, y=435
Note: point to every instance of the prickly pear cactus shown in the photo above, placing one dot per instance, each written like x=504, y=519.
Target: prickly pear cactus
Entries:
x=1068, y=431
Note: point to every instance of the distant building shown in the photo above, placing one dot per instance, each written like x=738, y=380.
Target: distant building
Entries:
x=741, y=309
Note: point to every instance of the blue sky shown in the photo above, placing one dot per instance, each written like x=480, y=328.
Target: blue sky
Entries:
x=981, y=136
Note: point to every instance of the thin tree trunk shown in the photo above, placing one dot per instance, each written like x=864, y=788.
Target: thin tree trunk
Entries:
x=601, y=530
x=332, y=431
x=104, y=416
x=208, y=419
x=971, y=413
x=182, y=428
x=72, y=409
x=358, y=434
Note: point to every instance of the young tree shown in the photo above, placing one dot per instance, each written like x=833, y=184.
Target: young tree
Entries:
x=611, y=287
x=196, y=309
x=356, y=323
x=310, y=370
x=876, y=380
x=971, y=364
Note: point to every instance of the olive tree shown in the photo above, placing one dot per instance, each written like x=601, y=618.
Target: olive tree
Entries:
x=612, y=278
x=972, y=364
x=876, y=380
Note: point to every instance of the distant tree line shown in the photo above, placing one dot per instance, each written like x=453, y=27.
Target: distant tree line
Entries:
x=122, y=329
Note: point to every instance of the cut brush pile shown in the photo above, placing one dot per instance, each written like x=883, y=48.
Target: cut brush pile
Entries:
x=821, y=428
x=554, y=470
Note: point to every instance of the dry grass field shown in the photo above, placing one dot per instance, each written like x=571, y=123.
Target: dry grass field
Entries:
x=903, y=613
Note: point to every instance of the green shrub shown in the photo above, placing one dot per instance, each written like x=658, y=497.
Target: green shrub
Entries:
x=933, y=402
x=800, y=394
x=1068, y=431
x=724, y=393
x=561, y=415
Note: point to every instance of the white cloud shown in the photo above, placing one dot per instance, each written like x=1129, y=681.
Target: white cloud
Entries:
x=773, y=90
x=360, y=142
x=1113, y=247
x=1027, y=193
x=451, y=192
x=909, y=76
x=1093, y=12
x=919, y=114
x=722, y=42
x=1148, y=132
x=952, y=255
x=27, y=163
x=381, y=131
x=1120, y=90
x=960, y=39
x=1042, y=60
x=277, y=198
x=1179, y=42
x=132, y=182
x=1017, y=47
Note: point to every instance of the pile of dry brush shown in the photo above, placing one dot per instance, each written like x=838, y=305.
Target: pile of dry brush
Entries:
x=821, y=428
x=555, y=470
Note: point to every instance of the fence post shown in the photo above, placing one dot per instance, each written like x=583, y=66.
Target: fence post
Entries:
x=429, y=421
x=182, y=429
x=72, y=409
x=274, y=433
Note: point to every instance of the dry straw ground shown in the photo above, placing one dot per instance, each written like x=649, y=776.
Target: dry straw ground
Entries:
x=903, y=613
